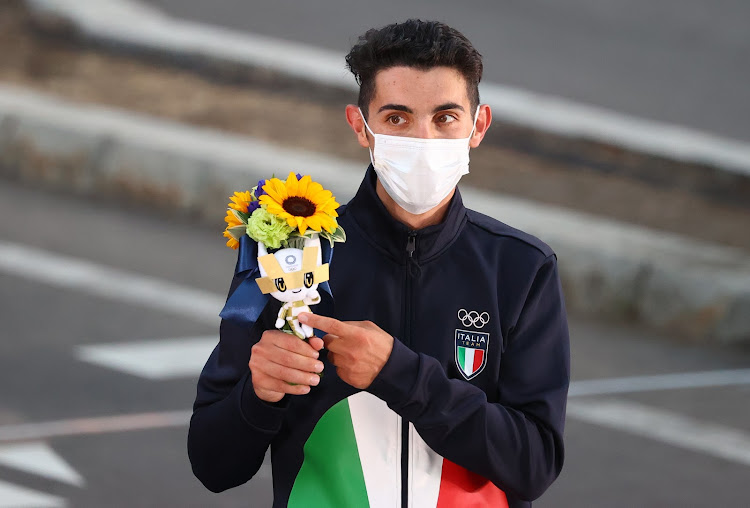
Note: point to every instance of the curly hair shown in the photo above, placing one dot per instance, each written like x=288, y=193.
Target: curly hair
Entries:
x=413, y=43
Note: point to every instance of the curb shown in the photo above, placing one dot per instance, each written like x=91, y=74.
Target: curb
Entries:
x=546, y=126
x=670, y=283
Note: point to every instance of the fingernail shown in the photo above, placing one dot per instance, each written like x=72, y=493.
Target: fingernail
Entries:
x=314, y=380
x=302, y=318
x=306, y=389
x=319, y=367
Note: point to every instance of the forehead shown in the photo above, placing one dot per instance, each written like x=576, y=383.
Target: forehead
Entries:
x=419, y=88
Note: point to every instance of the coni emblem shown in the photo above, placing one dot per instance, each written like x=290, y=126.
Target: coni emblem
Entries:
x=471, y=352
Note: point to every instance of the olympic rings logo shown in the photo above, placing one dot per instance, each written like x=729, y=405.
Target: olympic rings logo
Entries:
x=473, y=318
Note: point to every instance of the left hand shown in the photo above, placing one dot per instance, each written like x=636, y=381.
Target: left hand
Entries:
x=358, y=349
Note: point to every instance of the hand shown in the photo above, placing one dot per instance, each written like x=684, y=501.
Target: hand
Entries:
x=281, y=363
x=358, y=349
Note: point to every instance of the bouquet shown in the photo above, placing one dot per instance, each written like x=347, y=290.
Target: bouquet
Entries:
x=287, y=219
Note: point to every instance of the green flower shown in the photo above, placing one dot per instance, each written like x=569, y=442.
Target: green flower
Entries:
x=268, y=228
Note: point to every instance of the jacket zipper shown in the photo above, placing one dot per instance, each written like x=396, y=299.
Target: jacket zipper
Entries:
x=411, y=247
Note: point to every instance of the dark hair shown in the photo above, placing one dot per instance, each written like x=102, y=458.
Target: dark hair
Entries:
x=413, y=43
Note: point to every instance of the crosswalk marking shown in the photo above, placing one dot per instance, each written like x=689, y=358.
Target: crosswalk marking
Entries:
x=39, y=459
x=13, y=496
x=155, y=359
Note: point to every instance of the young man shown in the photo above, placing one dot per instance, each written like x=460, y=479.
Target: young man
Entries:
x=446, y=360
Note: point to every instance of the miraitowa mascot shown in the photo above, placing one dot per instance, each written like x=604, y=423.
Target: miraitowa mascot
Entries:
x=292, y=276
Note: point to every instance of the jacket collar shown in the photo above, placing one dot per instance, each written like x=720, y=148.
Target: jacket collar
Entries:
x=391, y=236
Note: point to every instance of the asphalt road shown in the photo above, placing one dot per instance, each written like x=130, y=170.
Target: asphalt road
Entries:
x=678, y=61
x=673, y=447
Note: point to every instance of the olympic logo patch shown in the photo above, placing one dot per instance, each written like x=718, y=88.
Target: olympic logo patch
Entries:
x=473, y=318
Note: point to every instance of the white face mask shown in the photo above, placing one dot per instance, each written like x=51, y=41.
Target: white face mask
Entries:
x=419, y=173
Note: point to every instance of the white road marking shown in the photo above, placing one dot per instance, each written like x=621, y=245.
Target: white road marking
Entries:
x=156, y=359
x=677, y=381
x=133, y=22
x=94, y=425
x=96, y=279
x=665, y=426
x=13, y=496
x=39, y=459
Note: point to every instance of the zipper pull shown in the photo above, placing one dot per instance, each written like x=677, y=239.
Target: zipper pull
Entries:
x=411, y=247
x=411, y=244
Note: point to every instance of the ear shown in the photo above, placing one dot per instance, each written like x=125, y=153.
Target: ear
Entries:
x=356, y=122
x=484, y=119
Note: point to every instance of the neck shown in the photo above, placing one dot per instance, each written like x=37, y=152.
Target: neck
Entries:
x=429, y=218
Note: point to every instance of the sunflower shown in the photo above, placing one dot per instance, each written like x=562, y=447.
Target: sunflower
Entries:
x=301, y=202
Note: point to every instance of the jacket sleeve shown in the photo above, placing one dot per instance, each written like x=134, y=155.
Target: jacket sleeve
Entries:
x=231, y=428
x=517, y=442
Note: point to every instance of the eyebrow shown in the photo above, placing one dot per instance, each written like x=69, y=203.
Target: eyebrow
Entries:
x=407, y=109
x=397, y=107
x=448, y=105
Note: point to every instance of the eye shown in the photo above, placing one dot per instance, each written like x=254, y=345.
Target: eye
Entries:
x=308, y=280
x=395, y=120
x=446, y=118
x=280, y=284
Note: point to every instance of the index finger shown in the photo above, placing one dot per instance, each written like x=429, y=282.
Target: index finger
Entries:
x=327, y=324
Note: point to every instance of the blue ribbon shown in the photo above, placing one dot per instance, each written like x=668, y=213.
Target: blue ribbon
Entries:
x=247, y=302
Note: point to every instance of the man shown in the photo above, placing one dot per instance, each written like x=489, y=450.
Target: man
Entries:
x=446, y=360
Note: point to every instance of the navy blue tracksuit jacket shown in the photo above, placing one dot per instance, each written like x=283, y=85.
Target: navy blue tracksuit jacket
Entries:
x=470, y=407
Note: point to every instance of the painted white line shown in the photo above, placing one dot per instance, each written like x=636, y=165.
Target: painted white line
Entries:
x=108, y=282
x=13, y=496
x=154, y=359
x=94, y=425
x=667, y=427
x=39, y=459
x=135, y=23
x=660, y=382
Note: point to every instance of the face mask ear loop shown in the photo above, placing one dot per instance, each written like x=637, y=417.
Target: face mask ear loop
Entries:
x=369, y=149
x=474, y=127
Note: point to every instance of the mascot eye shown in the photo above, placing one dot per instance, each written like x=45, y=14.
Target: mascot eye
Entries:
x=308, y=280
x=280, y=284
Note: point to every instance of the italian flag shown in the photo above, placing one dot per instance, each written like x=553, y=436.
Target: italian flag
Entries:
x=353, y=458
x=469, y=359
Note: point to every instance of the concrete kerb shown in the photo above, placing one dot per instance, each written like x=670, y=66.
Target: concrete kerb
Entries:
x=664, y=281
x=548, y=126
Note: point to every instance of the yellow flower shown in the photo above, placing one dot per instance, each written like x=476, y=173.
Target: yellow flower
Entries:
x=234, y=244
x=240, y=201
x=302, y=203
x=232, y=220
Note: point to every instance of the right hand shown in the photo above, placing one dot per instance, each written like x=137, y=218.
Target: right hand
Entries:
x=281, y=363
